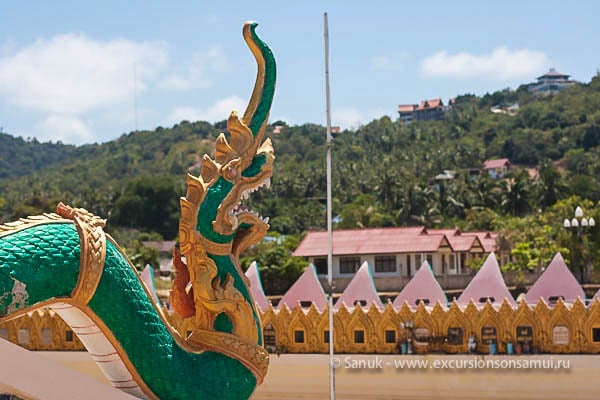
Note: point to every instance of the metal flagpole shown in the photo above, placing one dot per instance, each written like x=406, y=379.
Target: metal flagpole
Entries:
x=329, y=227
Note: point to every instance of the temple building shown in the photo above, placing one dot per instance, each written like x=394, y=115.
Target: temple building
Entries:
x=556, y=282
x=396, y=253
x=551, y=82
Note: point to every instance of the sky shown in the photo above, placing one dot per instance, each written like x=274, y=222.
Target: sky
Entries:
x=87, y=72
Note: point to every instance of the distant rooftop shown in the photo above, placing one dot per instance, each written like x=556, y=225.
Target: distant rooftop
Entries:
x=554, y=74
x=499, y=163
x=415, y=239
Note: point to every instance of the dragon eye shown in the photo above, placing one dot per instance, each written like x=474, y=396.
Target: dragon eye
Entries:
x=232, y=173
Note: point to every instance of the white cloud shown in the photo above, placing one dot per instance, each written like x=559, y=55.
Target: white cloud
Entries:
x=73, y=74
x=352, y=119
x=217, y=112
x=67, y=129
x=197, y=73
x=393, y=62
x=502, y=64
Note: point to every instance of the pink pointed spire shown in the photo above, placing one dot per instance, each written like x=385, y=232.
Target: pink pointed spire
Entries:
x=148, y=279
x=423, y=286
x=306, y=289
x=256, y=289
x=556, y=281
x=360, y=289
x=487, y=284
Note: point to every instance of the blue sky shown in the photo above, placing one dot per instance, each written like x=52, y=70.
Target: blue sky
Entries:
x=78, y=71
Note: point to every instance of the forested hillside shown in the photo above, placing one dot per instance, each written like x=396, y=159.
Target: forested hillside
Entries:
x=383, y=173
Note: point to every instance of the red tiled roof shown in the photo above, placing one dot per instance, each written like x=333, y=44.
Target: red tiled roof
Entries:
x=371, y=241
x=428, y=104
x=487, y=240
x=435, y=103
x=499, y=163
x=394, y=240
x=406, y=107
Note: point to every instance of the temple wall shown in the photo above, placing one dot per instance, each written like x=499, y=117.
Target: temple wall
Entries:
x=563, y=328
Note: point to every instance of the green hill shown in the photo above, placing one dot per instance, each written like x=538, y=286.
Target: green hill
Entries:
x=382, y=173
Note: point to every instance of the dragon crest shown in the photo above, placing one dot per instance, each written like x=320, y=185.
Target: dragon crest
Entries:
x=215, y=228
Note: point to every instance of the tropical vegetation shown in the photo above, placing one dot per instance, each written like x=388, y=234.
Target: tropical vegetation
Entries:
x=383, y=175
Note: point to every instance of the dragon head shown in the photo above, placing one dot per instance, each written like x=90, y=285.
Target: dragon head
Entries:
x=241, y=165
x=215, y=228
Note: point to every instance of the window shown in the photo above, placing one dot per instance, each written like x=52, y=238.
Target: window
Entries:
x=326, y=336
x=320, y=264
x=269, y=337
x=455, y=335
x=418, y=261
x=452, y=266
x=430, y=259
x=359, y=336
x=486, y=299
x=349, y=265
x=46, y=337
x=463, y=263
x=298, y=336
x=23, y=336
x=390, y=336
x=408, y=267
x=554, y=299
x=68, y=336
x=385, y=263
x=595, y=335
x=362, y=303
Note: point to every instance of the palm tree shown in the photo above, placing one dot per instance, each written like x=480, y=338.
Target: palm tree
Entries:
x=516, y=193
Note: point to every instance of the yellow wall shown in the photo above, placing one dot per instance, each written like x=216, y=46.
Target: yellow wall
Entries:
x=560, y=329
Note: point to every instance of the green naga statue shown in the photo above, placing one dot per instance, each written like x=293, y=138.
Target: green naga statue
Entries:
x=66, y=262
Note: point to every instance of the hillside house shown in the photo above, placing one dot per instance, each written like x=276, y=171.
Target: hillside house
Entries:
x=426, y=110
x=497, y=168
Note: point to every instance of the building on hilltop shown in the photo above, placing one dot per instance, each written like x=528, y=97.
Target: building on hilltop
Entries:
x=426, y=110
x=551, y=82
